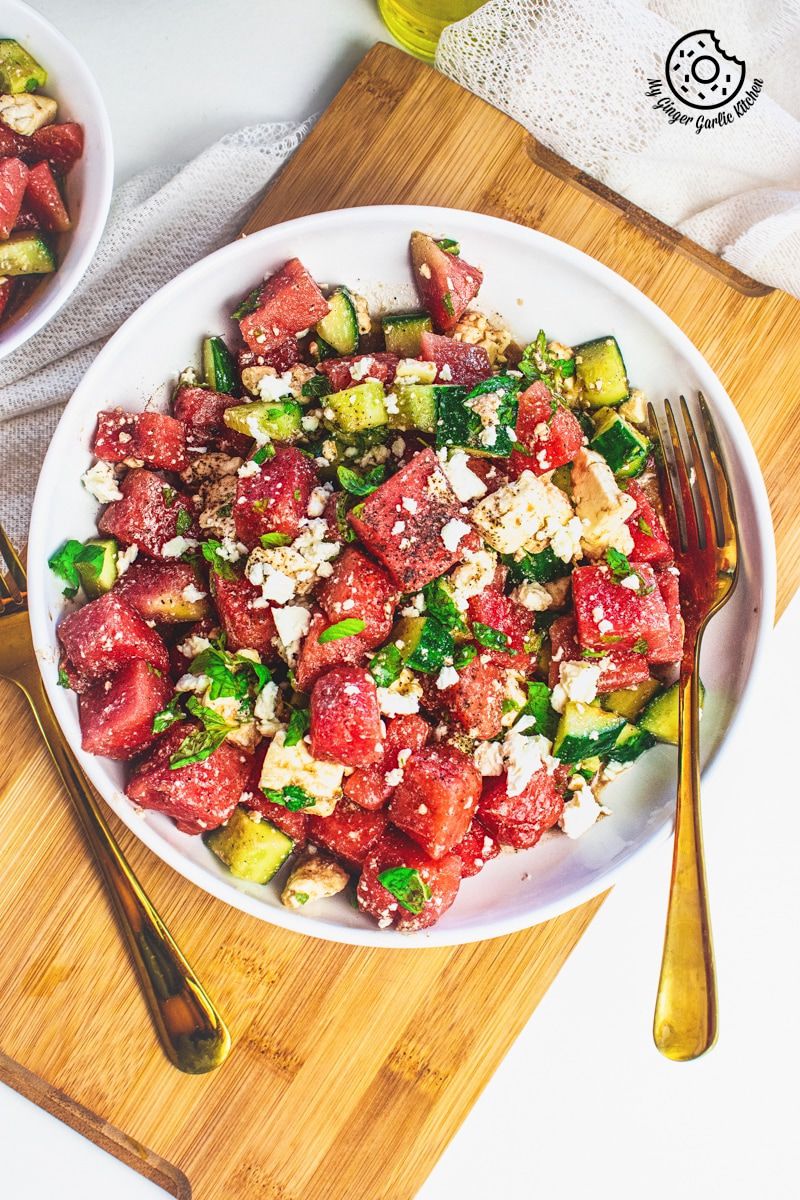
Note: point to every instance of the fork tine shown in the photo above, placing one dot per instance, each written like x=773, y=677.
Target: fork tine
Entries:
x=728, y=534
x=12, y=560
x=710, y=526
x=684, y=482
x=665, y=486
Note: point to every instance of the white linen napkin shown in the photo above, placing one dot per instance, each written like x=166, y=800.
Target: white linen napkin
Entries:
x=160, y=223
x=575, y=73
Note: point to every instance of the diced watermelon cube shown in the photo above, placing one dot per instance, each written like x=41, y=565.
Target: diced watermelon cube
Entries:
x=281, y=358
x=360, y=588
x=113, y=439
x=520, y=821
x=106, y=634
x=620, y=666
x=198, y=797
x=316, y=657
x=476, y=848
x=148, y=514
x=289, y=302
x=370, y=787
x=436, y=800
x=476, y=701
x=650, y=541
x=493, y=471
x=13, y=177
x=6, y=290
x=669, y=648
x=293, y=824
x=43, y=199
x=246, y=623
x=26, y=220
x=402, y=523
x=12, y=144
x=345, y=372
x=500, y=612
x=275, y=499
x=394, y=849
x=61, y=145
x=456, y=362
x=548, y=430
x=164, y=591
x=346, y=718
x=118, y=722
x=348, y=832
x=201, y=411
x=445, y=282
x=609, y=614
x=160, y=441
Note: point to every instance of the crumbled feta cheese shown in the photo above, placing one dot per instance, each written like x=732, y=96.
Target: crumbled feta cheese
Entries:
x=464, y=482
x=487, y=406
x=577, y=681
x=533, y=596
x=424, y=270
x=415, y=370
x=602, y=507
x=398, y=527
x=193, y=594
x=177, y=546
x=292, y=624
x=360, y=370
x=192, y=683
x=581, y=810
x=318, y=499
x=310, y=421
x=524, y=755
x=409, y=505
x=125, y=558
x=453, y=532
x=193, y=645
x=472, y=577
x=634, y=409
x=251, y=467
x=265, y=710
x=231, y=550
x=402, y=697
x=101, y=482
x=488, y=758
x=398, y=447
x=631, y=582
x=286, y=571
x=521, y=513
x=445, y=372
x=295, y=766
x=275, y=387
x=392, y=406
x=447, y=678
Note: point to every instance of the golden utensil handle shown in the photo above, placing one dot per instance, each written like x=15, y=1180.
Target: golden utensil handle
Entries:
x=192, y=1032
x=685, y=1022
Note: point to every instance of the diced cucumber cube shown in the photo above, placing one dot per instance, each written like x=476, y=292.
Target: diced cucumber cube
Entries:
x=359, y=407
x=265, y=421
x=250, y=847
x=19, y=71
x=585, y=731
x=623, y=447
x=601, y=369
x=402, y=332
x=339, y=328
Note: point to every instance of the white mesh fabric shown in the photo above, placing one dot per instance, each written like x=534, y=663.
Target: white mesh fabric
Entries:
x=574, y=73
x=160, y=223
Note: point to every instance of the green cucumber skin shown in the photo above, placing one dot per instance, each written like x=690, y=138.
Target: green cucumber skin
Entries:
x=631, y=743
x=218, y=366
x=357, y=408
x=22, y=254
x=339, y=328
x=622, y=446
x=574, y=741
x=96, y=583
x=432, y=646
x=660, y=716
x=460, y=427
x=402, y=332
x=416, y=403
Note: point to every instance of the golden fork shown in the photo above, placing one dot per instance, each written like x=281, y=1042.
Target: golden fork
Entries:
x=192, y=1032
x=702, y=524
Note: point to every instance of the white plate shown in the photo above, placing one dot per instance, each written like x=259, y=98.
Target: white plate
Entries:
x=88, y=185
x=535, y=282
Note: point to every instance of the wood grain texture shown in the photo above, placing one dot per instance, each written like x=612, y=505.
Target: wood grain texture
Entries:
x=352, y=1068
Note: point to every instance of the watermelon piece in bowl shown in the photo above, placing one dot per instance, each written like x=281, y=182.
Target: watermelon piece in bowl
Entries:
x=456, y=362
x=288, y=303
x=345, y=718
x=13, y=180
x=445, y=282
x=116, y=716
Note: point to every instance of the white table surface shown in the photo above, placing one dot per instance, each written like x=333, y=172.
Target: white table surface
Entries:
x=583, y=1104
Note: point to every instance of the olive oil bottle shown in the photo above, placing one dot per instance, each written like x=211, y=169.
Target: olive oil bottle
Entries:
x=417, y=24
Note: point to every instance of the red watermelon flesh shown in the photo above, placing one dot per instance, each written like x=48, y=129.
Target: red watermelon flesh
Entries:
x=43, y=199
x=13, y=176
x=401, y=523
x=490, y=607
x=156, y=590
x=650, y=541
x=669, y=648
x=148, y=514
x=456, y=362
x=247, y=625
x=61, y=145
x=275, y=500
x=520, y=821
x=445, y=282
x=289, y=302
x=621, y=667
x=360, y=588
x=116, y=716
x=436, y=800
x=348, y=832
x=113, y=439
x=442, y=877
x=281, y=358
x=345, y=372
x=476, y=701
x=476, y=848
x=316, y=657
x=198, y=797
x=609, y=614
x=106, y=634
x=11, y=144
x=160, y=441
x=345, y=718
x=368, y=786
x=201, y=411
x=547, y=429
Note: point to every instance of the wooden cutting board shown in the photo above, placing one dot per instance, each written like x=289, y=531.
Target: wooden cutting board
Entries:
x=352, y=1068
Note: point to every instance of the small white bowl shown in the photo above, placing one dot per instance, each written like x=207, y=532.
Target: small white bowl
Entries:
x=533, y=281
x=89, y=183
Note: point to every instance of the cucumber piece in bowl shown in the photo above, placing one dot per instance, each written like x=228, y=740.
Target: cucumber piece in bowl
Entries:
x=24, y=254
x=600, y=367
x=339, y=328
x=19, y=70
x=218, y=365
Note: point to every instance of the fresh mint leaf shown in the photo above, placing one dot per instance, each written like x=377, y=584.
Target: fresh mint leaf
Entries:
x=318, y=385
x=407, y=886
x=358, y=485
x=641, y=646
x=386, y=665
x=291, y=797
x=439, y=603
x=248, y=305
x=538, y=706
x=169, y=495
x=211, y=553
x=263, y=453
x=449, y=245
x=183, y=523
x=201, y=743
x=63, y=678
x=447, y=301
x=169, y=715
x=493, y=639
x=298, y=726
x=65, y=560
x=463, y=655
x=349, y=627
x=275, y=539
x=644, y=527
